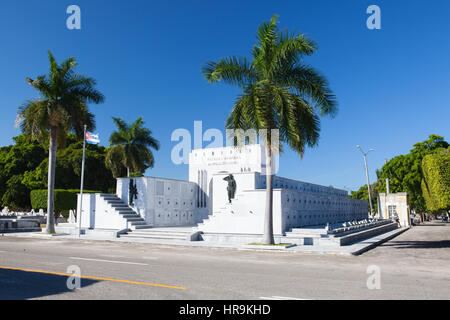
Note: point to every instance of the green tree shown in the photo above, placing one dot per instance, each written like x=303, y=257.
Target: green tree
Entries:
x=68, y=166
x=363, y=194
x=16, y=194
x=436, y=181
x=279, y=91
x=405, y=171
x=15, y=161
x=130, y=148
x=61, y=108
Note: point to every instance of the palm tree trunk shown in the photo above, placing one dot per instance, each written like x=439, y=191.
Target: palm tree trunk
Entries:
x=268, y=219
x=50, y=228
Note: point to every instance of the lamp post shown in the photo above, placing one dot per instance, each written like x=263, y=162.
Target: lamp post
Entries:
x=367, y=176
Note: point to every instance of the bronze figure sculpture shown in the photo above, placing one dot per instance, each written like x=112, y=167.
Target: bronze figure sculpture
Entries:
x=231, y=188
x=132, y=192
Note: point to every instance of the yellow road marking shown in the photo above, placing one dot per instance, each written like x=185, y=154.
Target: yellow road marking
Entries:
x=95, y=278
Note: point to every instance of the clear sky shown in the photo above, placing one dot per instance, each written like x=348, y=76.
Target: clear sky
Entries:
x=392, y=84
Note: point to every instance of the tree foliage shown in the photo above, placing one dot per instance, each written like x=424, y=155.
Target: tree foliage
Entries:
x=62, y=105
x=279, y=91
x=363, y=194
x=131, y=148
x=68, y=168
x=436, y=180
x=61, y=108
x=15, y=161
x=24, y=166
x=64, y=199
x=405, y=171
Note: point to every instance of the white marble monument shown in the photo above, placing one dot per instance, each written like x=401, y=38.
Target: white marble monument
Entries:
x=202, y=202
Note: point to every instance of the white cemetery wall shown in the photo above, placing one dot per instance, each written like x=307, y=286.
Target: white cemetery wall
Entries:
x=296, y=204
x=161, y=202
x=97, y=215
x=301, y=209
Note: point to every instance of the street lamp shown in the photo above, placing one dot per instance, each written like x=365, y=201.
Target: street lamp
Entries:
x=367, y=175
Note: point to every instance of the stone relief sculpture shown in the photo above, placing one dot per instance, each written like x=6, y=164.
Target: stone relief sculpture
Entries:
x=231, y=188
x=132, y=192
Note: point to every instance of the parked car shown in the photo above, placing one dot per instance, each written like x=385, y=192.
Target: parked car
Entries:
x=444, y=218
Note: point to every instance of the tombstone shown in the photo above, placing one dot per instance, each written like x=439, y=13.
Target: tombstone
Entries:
x=41, y=212
x=5, y=211
x=32, y=213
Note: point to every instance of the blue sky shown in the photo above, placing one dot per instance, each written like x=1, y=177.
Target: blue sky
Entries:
x=392, y=84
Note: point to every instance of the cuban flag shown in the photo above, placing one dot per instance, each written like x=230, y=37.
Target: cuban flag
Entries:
x=91, y=138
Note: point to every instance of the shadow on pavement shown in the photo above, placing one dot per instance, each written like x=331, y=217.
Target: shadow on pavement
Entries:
x=418, y=244
x=432, y=224
x=20, y=285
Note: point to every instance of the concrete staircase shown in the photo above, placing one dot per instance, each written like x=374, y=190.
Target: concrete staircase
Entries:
x=169, y=233
x=319, y=235
x=307, y=236
x=227, y=208
x=134, y=221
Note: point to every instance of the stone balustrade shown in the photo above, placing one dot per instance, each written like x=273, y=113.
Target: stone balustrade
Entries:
x=357, y=226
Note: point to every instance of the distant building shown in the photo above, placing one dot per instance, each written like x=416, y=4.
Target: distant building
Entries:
x=391, y=205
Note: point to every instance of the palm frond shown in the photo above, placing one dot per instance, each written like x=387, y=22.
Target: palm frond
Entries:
x=233, y=70
x=279, y=90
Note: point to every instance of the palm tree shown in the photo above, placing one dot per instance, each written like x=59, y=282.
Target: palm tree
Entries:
x=61, y=108
x=279, y=91
x=130, y=147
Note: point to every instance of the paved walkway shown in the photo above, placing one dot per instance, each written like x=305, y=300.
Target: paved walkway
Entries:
x=414, y=265
x=354, y=249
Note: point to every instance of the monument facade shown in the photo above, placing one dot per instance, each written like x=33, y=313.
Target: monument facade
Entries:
x=225, y=196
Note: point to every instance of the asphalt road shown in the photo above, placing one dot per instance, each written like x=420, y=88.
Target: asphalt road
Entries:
x=414, y=265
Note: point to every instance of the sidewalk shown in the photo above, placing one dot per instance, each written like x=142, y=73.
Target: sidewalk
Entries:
x=354, y=249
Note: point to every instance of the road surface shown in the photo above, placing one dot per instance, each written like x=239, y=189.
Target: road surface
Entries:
x=414, y=265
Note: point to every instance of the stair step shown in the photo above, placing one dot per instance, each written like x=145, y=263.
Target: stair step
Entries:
x=138, y=222
x=129, y=215
x=154, y=236
x=144, y=226
x=165, y=233
x=135, y=218
x=300, y=235
x=111, y=198
x=125, y=211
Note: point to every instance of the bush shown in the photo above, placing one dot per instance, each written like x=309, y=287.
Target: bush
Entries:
x=436, y=182
x=64, y=199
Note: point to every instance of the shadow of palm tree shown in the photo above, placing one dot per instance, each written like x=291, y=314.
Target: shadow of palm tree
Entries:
x=21, y=285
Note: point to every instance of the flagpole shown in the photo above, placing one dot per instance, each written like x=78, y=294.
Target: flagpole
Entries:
x=82, y=182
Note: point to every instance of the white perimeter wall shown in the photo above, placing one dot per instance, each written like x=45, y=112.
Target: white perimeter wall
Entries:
x=161, y=202
x=98, y=215
x=295, y=204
